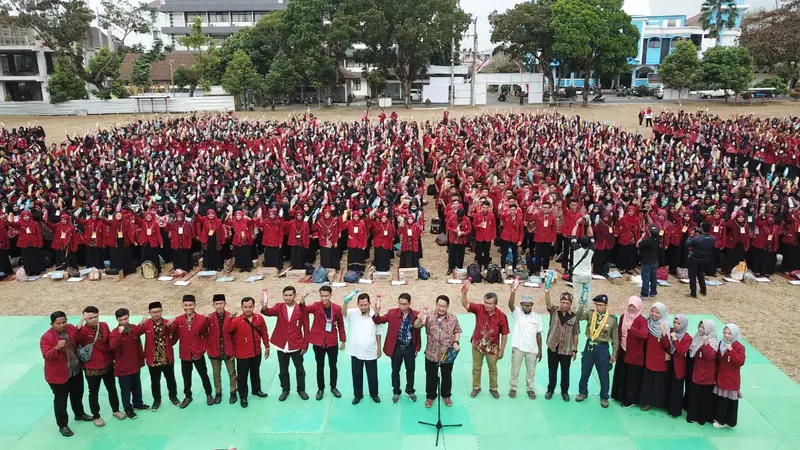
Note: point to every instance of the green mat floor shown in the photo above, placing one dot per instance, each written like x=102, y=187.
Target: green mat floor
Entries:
x=769, y=414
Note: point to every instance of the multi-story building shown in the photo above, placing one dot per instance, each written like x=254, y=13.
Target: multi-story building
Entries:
x=26, y=62
x=220, y=18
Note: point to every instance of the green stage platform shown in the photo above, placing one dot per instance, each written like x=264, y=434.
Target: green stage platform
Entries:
x=768, y=415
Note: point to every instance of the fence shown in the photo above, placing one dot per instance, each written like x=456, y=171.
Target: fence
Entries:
x=119, y=106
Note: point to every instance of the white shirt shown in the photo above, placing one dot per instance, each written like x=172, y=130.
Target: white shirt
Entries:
x=285, y=349
x=361, y=335
x=526, y=327
x=584, y=269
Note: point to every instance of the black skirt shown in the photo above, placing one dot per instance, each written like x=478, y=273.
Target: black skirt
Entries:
x=121, y=258
x=181, y=259
x=675, y=392
x=273, y=258
x=243, y=259
x=633, y=384
x=727, y=411
x=298, y=257
x=626, y=257
x=355, y=259
x=382, y=259
x=329, y=258
x=212, y=258
x=618, y=381
x=409, y=259
x=94, y=257
x=688, y=384
x=5, y=262
x=654, y=389
x=151, y=254
x=32, y=260
x=702, y=406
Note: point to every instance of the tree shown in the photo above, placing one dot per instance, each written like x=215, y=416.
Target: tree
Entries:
x=376, y=81
x=716, y=15
x=184, y=76
x=729, y=68
x=679, y=69
x=282, y=78
x=65, y=84
x=777, y=83
x=594, y=35
x=526, y=30
x=261, y=42
x=206, y=63
x=240, y=77
x=103, y=68
x=140, y=73
x=402, y=36
x=771, y=37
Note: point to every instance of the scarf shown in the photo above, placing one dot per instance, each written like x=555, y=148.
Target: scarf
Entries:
x=723, y=346
x=710, y=330
x=596, y=325
x=655, y=325
x=627, y=320
x=680, y=332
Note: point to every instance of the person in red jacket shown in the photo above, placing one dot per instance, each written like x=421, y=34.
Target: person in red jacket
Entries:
x=29, y=243
x=458, y=228
x=383, y=239
x=65, y=242
x=5, y=245
x=290, y=339
x=128, y=362
x=704, y=346
x=62, y=370
x=100, y=368
x=120, y=238
x=356, y=242
x=654, y=382
x=159, y=355
x=485, y=227
x=327, y=330
x=570, y=215
x=181, y=237
x=737, y=238
x=627, y=230
x=248, y=331
x=730, y=359
x=93, y=238
x=544, y=238
x=510, y=237
x=633, y=333
x=191, y=329
x=150, y=239
x=718, y=230
x=211, y=233
x=765, y=246
x=220, y=348
x=604, y=243
x=410, y=232
x=243, y=236
x=402, y=343
x=679, y=343
x=299, y=239
x=328, y=230
x=272, y=239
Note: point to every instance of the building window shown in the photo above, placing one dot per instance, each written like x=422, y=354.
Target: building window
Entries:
x=191, y=16
x=357, y=85
x=240, y=17
x=156, y=34
x=672, y=23
x=218, y=17
x=258, y=15
x=653, y=43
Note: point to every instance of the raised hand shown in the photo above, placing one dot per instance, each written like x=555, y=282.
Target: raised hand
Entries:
x=465, y=286
x=264, y=298
x=121, y=329
x=61, y=344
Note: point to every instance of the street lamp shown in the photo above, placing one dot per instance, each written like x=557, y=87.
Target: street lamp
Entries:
x=172, y=77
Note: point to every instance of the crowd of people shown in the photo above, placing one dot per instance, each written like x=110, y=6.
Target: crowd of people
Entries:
x=212, y=188
x=658, y=364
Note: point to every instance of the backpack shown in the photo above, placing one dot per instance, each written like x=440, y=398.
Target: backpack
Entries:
x=309, y=268
x=662, y=274
x=351, y=277
x=73, y=272
x=493, y=274
x=149, y=270
x=320, y=275
x=436, y=226
x=474, y=272
x=422, y=273
x=441, y=239
x=112, y=272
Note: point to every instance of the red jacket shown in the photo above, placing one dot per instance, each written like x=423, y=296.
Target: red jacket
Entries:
x=56, y=370
x=383, y=234
x=570, y=219
x=242, y=231
x=65, y=236
x=637, y=336
x=409, y=237
x=705, y=365
x=656, y=353
x=293, y=329
x=128, y=353
x=317, y=335
x=245, y=337
x=102, y=356
x=206, y=228
x=212, y=344
x=485, y=227
x=298, y=232
x=115, y=227
x=148, y=328
x=192, y=342
x=327, y=231
x=512, y=228
x=149, y=233
x=680, y=355
x=454, y=226
x=395, y=320
x=545, y=227
x=181, y=235
x=729, y=367
x=272, y=235
x=30, y=233
x=94, y=232
x=356, y=234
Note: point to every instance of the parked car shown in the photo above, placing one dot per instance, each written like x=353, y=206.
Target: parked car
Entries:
x=416, y=95
x=716, y=93
x=659, y=92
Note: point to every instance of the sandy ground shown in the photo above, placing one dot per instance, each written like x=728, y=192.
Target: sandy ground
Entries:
x=762, y=311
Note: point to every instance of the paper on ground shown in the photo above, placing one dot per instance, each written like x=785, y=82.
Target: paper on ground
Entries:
x=181, y=283
x=165, y=278
x=731, y=280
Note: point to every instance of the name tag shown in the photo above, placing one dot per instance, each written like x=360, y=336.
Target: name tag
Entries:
x=683, y=230
x=385, y=233
x=180, y=230
x=610, y=230
x=149, y=232
x=27, y=231
x=741, y=230
x=328, y=327
x=297, y=236
x=769, y=238
x=355, y=230
x=119, y=234
x=210, y=232
x=716, y=229
x=661, y=232
x=63, y=235
x=483, y=225
x=409, y=232
x=546, y=223
x=94, y=235
x=242, y=233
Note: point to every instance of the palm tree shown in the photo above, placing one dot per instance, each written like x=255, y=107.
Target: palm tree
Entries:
x=712, y=19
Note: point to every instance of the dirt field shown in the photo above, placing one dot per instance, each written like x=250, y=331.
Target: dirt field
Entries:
x=757, y=309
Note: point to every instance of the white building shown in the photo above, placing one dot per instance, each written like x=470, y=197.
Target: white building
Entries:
x=25, y=65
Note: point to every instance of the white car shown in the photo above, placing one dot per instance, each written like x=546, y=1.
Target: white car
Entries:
x=659, y=93
x=717, y=93
x=416, y=95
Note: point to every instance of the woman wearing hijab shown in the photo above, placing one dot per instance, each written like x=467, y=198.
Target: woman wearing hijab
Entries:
x=653, y=392
x=604, y=243
x=150, y=238
x=29, y=243
x=65, y=242
x=765, y=246
x=119, y=238
x=679, y=343
x=628, y=229
x=410, y=236
x=5, y=244
x=272, y=231
x=327, y=229
x=299, y=239
x=738, y=242
x=630, y=354
x=242, y=241
x=383, y=239
x=459, y=229
x=731, y=357
x=181, y=235
x=93, y=238
x=211, y=233
x=356, y=242
x=701, y=394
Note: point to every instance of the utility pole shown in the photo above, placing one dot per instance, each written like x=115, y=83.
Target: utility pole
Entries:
x=452, y=71
x=474, y=62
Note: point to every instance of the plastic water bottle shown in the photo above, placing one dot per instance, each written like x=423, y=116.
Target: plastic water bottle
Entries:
x=551, y=275
x=584, y=294
x=351, y=296
x=509, y=257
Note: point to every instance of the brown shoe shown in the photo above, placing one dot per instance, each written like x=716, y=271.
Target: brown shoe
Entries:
x=428, y=403
x=532, y=395
x=99, y=422
x=474, y=393
x=580, y=398
x=494, y=393
x=604, y=403
x=448, y=402
x=512, y=394
x=646, y=408
x=120, y=415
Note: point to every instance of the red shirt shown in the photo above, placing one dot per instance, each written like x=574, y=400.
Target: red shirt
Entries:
x=729, y=367
x=488, y=328
x=318, y=335
x=453, y=226
x=545, y=227
x=148, y=328
x=273, y=232
x=680, y=355
x=356, y=234
x=395, y=320
x=409, y=237
x=214, y=329
x=634, y=346
x=656, y=353
x=181, y=235
x=56, y=370
x=102, y=355
x=705, y=365
x=246, y=335
x=512, y=228
x=485, y=227
x=192, y=341
x=128, y=353
x=291, y=330
x=383, y=235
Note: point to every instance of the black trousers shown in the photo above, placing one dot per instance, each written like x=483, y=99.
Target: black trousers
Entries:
x=482, y=253
x=319, y=356
x=697, y=274
x=155, y=381
x=150, y=254
x=94, y=390
x=554, y=360
x=130, y=386
x=455, y=256
x=72, y=389
x=202, y=370
x=403, y=356
x=94, y=257
x=541, y=256
x=358, y=376
x=251, y=366
x=432, y=379
x=66, y=258
x=504, y=254
x=283, y=373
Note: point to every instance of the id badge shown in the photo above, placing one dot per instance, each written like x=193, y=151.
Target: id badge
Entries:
x=210, y=232
x=741, y=230
x=409, y=232
x=63, y=235
x=684, y=229
x=149, y=232
x=661, y=232
x=180, y=230
x=297, y=236
x=716, y=229
x=355, y=230
x=769, y=238
x=385, y=233
x=610, y=230
x=546, y=223
x=328, y=327
x=119, y=234
x=242, y=233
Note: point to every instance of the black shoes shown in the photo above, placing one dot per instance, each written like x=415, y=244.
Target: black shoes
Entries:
x=186, y=401
x=565, y=397
x=260, y=394
x=209, y=400
x=84, y=418
x=66, y=432
x=284, y=396
x=376, y=399
x=320, y=393
x=336, y=393
x=233, y=398
x=175, y=401
x=141, y=407
x=548, y=395
x=218, y=398
x=357, y=400
x=243, y=402
x=156, y=405
x=131, y=415
x=302, y=395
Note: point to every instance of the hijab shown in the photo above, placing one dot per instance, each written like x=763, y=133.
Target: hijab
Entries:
x=655, y=325
x=710, y=330
x=735, y=332
x=680, y=331
x=628, y=319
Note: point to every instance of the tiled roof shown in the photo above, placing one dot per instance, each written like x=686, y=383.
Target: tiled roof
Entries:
x=159, y=70
x=693, y=21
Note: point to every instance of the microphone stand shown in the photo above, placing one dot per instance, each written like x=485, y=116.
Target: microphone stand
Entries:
x=438, y=425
